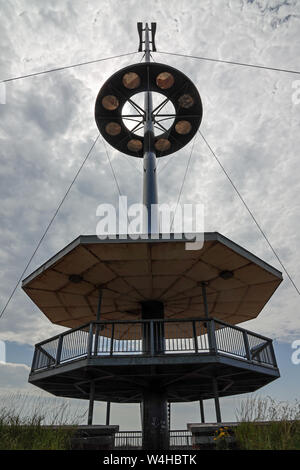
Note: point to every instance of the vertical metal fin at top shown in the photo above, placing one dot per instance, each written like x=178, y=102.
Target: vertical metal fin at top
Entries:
x=152, y=30
x=140, y=31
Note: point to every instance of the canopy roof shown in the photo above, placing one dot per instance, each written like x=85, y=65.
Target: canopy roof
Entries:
x=66, y=287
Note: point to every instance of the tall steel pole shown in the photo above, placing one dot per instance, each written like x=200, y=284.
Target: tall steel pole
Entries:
x=150, y=199
x=154, y=404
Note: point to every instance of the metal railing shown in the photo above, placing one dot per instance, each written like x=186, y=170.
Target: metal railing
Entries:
x=179, y=439
x=128, y=440
x=153, y=338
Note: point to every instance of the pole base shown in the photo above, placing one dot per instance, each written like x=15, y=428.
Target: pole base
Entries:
x=155, y=419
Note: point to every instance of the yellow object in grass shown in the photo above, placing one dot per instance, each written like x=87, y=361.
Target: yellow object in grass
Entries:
x=221, y=433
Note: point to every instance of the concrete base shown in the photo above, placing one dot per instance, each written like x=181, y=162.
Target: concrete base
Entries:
x=203, y=434
x=94, y=438
x=155, y=419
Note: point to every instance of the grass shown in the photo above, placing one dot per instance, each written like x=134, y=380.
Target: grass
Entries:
x=36, y=424
x=268, y=425
x=49, y=424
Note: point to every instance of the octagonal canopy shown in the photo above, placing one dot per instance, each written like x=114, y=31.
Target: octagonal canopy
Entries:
x=128, y=271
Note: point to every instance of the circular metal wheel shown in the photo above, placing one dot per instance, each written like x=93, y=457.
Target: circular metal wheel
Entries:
x=175, y=88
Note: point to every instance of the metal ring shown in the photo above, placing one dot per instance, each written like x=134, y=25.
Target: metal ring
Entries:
x=138, y=78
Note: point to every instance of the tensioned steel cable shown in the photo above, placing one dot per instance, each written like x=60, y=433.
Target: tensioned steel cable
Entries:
x=113, y=172
x=183, y=181
x=49, y=224
x=231, y=62
x=165, y=165
x=111, y=167
x=249, y=211
x=57, y=69
x=68, y=67
x=128, y=160
x=162, y=169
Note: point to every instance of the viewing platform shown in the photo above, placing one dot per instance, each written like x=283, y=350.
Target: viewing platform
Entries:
x=123, y=357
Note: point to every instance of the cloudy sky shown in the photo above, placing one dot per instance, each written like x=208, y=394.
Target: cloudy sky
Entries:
x=47, y=126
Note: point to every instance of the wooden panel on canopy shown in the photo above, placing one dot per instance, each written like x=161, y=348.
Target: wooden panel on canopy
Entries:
x=131, y=271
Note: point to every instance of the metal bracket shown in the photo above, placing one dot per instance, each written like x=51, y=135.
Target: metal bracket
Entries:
x=152, y=41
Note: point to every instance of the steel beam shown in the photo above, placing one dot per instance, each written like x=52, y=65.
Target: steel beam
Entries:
x=91, y=403
x=202, y=411
x=216, y=398
x=107, y=413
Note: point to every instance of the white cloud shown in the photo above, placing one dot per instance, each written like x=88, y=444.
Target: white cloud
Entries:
x=13, y=377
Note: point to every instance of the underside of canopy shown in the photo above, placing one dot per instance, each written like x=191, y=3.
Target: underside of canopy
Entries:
x=66, y=288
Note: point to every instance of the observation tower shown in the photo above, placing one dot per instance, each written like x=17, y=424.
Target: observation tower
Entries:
x=150, y=321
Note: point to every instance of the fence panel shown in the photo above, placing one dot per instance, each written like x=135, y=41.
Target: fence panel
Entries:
x=230, y=340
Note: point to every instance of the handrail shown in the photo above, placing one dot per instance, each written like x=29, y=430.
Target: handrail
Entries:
x=199, y=335
x=258, y=335
x=64, y=333
x=167, y=320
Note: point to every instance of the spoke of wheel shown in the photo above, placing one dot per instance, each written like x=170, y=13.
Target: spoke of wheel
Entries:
x=165, y=119
x=136, y=107
x=163, y=115
x=131, y=119
x=162, y=127
x=131, y=115
x=160, y=106
x=184, y=116
x=136, y=128
x=127, y=116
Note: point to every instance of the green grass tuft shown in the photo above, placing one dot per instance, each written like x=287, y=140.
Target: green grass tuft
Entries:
x=268, y=425
x=36, y=424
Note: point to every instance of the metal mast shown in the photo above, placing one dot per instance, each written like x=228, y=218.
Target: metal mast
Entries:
x=150, y=198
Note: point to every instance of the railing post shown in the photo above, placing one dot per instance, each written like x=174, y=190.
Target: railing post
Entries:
x=195, y=337
x=211, y=331
x=217, y=401
x=247, y=347
x=97, y=329
x=33, y=365
x=49, y=361
x=107, y=421
x=151, y=338
x=91, y=403
x=59, y=349
x=96, y=342
x=90, y=340
x=202, y=410
x=273, y=354
x=112, y=339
